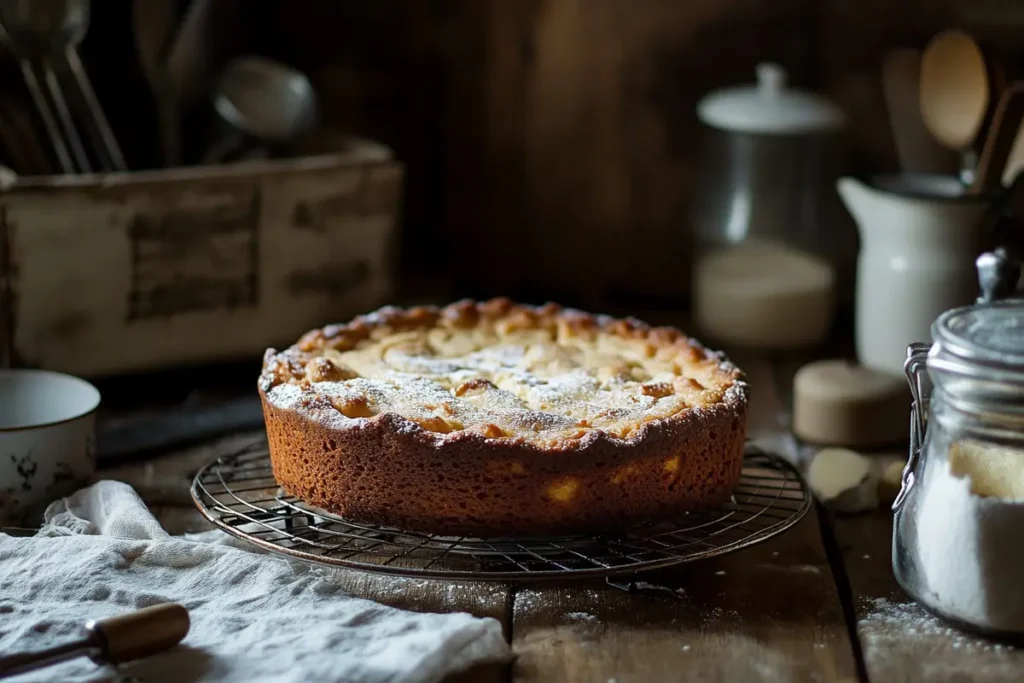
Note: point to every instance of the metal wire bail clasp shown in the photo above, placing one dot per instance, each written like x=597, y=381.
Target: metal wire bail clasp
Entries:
x=917, y=353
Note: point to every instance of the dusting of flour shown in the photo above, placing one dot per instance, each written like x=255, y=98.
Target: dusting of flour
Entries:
x=888, y=621
x=895, y=635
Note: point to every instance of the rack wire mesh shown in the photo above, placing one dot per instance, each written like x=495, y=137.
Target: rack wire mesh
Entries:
x=238, y=493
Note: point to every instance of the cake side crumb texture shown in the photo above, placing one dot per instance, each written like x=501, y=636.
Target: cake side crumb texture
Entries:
x=483, y=410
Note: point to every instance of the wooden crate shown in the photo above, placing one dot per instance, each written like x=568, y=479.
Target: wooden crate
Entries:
x=121, y=273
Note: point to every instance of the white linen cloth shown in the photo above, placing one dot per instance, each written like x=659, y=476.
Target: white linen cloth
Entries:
x=255, y=617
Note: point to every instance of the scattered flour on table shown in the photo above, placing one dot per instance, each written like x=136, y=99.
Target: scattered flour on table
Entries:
x=712, y=615
x=454, y=596
x=529, y=600
x=581, y=616
x=888, y=622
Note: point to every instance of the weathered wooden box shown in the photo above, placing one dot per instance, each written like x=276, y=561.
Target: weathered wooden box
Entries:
x=111, y=274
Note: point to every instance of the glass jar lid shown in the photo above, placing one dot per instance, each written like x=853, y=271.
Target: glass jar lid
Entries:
x=993, y=332
x=978, y=352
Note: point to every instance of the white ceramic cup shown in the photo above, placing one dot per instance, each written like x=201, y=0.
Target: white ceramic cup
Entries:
x=47, y=444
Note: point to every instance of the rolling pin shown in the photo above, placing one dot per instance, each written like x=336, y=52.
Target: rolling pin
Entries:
x=114, y=640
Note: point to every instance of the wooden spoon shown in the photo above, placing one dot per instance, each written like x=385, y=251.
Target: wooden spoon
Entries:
x=955, y=89
x=1015, y=162
x=1006, y=124
x=1016, y=197
x=917, y=150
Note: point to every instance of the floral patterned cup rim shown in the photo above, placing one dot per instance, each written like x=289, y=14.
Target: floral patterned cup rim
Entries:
x=77, y=398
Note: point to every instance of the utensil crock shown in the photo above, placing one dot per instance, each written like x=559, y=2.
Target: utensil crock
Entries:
x=919, y=237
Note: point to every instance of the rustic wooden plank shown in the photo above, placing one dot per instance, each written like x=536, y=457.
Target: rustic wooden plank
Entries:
x=485, y=673
x=769, y=613
x=167, y=478
x=178, y=520
x=899, y=640
x=579, y=133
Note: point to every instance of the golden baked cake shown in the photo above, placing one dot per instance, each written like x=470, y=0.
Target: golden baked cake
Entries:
x=502, y=419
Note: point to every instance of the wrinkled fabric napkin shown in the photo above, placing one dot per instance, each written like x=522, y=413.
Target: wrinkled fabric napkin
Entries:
x=255, y=616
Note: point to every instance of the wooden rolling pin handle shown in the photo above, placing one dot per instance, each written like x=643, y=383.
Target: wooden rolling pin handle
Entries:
x=140, y=634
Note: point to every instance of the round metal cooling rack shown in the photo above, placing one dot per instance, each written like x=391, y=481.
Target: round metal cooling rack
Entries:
x=238, y=493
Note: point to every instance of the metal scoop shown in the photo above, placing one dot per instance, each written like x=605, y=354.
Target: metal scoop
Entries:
x=262, y=103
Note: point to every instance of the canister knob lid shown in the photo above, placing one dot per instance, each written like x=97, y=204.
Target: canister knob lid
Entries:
x=998, y=275
x=770, y=107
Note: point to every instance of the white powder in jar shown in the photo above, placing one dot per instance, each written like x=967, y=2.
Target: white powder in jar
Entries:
x=970, y=543
x=764, y=295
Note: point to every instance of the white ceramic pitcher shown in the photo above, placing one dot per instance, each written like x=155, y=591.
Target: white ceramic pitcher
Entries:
x=919, y=237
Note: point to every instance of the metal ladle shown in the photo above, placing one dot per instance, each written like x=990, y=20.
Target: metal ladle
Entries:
x=49, y=31
x=263, y=103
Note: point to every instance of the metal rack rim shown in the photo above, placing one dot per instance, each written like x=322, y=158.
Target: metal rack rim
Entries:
x=771, y=504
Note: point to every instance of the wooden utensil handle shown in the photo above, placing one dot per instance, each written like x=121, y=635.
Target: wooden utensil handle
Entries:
x=1006, y=122
x=142, y=633
x=23, y=662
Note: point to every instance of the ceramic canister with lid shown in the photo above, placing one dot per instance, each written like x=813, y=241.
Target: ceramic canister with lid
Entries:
x=959, y=517
x=769, y=230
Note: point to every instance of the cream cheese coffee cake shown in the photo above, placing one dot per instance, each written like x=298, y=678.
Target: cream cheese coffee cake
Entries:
x=497, y=418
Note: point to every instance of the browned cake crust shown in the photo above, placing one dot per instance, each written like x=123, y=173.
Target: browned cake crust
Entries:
x=441, y=468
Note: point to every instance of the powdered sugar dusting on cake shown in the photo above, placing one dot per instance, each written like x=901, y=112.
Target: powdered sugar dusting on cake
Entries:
x=524, y=383
x=286, y=396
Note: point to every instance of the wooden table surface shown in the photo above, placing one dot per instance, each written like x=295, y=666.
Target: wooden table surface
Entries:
x=816, y=603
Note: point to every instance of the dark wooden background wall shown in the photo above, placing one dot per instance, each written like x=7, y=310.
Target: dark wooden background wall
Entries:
x=552, y=145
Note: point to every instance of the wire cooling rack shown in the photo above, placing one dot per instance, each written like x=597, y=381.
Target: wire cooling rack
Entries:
x=237, y=492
